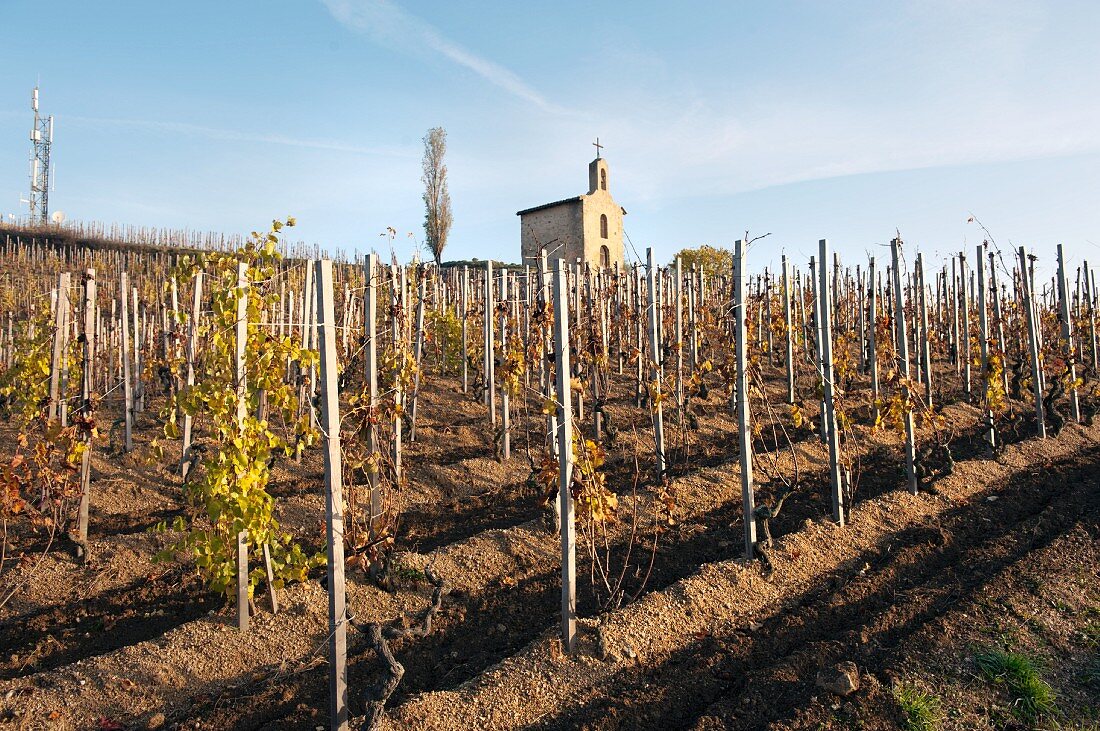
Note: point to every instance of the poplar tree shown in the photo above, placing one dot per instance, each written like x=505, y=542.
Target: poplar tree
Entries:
x=437, y=200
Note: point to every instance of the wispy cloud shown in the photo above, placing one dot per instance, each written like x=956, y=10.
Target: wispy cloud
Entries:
x=387, y=23
x=720, y=150
x=197, y=130
x=922, y=98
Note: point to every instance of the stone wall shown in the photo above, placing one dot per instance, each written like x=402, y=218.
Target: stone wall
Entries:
x=557, y=228
x=595, y=205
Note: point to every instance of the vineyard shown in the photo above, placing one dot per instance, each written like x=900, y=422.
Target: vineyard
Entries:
x=245, y=486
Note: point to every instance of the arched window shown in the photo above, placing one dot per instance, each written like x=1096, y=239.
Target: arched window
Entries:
x=603, y=226
x=603, y=180
x=605, y=257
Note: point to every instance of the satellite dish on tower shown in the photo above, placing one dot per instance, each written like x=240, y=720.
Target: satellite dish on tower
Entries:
x=58, y=217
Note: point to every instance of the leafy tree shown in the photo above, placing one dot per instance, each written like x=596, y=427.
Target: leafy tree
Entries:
x=709, y=259
x=437, y=200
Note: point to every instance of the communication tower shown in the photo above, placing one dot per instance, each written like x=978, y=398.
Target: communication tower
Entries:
x=41, y=140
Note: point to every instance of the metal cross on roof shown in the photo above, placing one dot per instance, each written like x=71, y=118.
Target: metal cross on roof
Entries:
x=598, y=147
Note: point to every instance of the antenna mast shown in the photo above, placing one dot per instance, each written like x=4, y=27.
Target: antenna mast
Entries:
x=41, y=140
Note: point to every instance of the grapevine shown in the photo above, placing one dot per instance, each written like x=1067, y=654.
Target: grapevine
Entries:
x=228, y=493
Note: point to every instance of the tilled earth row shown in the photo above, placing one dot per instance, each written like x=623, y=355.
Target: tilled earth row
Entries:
x=734, y=646
x=134, y=614
x=508, y=588
x=69, y=611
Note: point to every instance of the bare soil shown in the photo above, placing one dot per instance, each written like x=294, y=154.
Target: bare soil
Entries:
x=906, y=592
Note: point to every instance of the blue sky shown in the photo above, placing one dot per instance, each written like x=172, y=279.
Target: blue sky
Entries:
x=803, y=119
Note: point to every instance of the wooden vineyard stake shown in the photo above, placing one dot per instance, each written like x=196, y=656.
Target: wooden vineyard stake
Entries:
x=465, y=316
x=490, y=341
x=1078, y=297
x=693, y=324
x=139, y=387
x=872, y=331
x=334, y=499
x=59, y=369
x=127, y=388
x=599, y=387
x=397, y=338
x=67, y=326
x=940, y=309
x=955, y=316
x=565, y=458
x=677, y=295
x=836, y=487
x=418, y=352
x=861, y=311
x=744, y=428
x=1094, y=298
x=241, y=343
x=547, y=303
x=505, y=400
x=1067, y=337
x=917, y=333
x=964, y=350
x=1090, y=308
x=113, y=375
x=1036, y=308
x=1032, y=342
x=60, y=332
x=817, y=275
x=242, y=581
x=925, y=342
x=270, y=572
x=578, y=277
x=655, y=404
x=982, y=304
x=192, y=345
x=440, y=301
x=86, y=386
x=346, y=326
x=730, y=329
x=639, y=380
x=370, y=376
x=311, y=328
x=998, y=319
x=809, y=343
x=242, y=413
x=768, y=317
x=167, y=336
x=616, y=307
x=903, y=363
x=788, y=327
x=172, y=336
x=291, y=301
x=578, y=314
x=305, y=382
x=836, y=289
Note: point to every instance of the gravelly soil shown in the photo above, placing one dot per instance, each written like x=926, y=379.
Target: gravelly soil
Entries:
x=457, y=490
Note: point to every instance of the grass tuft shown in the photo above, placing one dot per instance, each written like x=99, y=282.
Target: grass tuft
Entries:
x=1032, y=697
x=1090, y=675
x=919, y=711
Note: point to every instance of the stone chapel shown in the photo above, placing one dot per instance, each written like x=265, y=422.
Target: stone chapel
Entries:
x=588, y=227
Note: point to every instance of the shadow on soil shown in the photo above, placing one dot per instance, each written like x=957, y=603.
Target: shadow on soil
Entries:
x=864, y=612
x=63, y=634
x=476, y=631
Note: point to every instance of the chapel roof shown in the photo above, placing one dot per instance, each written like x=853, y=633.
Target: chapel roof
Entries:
x=574, y=199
